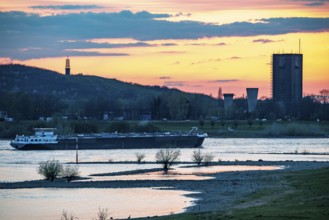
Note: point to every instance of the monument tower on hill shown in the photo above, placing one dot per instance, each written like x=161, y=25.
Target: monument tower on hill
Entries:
x=67, y=67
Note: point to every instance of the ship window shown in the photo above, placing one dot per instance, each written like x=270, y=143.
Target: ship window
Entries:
x=32, y=140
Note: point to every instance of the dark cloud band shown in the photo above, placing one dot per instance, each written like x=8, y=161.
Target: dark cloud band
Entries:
x=55, y=33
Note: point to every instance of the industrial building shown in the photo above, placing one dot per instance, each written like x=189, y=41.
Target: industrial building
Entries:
x=252, y=94
x=228, y=101
x=287, y=81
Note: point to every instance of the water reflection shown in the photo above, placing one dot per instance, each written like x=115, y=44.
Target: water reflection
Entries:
x=48, y=204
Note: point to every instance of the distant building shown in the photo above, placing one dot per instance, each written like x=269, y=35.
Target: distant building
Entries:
x=287, y=81
x=228, y=101
x=67, y=67
x=252, y=94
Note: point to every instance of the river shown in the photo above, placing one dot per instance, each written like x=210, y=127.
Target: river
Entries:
x=48, y=204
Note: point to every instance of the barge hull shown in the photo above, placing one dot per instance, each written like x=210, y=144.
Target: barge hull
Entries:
x=99, y=143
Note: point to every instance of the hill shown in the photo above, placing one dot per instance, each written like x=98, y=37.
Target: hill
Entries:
x=43, y=92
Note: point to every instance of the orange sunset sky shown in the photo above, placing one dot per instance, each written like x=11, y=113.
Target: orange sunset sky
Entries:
x=194, y=46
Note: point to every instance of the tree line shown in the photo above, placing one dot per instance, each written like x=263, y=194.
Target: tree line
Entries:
x=170, y=105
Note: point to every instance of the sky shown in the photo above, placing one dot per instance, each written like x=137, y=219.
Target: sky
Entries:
x=194, y=46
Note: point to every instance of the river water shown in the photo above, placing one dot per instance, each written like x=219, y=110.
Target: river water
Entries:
x=138, y=202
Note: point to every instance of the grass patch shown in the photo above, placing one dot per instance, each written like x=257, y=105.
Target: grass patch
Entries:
x=306, y=198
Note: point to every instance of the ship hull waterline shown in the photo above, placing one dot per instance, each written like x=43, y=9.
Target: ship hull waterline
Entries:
x=116, y=143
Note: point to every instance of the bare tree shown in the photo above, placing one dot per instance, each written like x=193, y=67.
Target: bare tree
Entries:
x=197, y=157
x=167, y=157
x=103, y=214
x=140, y=157
x=66, y=216
x=208, y=157
x=324, y=96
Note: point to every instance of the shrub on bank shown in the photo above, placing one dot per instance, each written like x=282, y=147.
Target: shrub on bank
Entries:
x=69, y=172
x=103, y=214
x=140, y=157
x=50, y=169
x=167, y=157
x=66, y=216
x=197, y=157
x=208, y=158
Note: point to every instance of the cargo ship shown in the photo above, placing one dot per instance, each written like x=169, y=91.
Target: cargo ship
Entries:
x=47, y=139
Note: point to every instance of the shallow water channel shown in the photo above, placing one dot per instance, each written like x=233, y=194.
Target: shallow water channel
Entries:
x=48, y=204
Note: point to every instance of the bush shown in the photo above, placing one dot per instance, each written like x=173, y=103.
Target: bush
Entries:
x=70, y=172
x=140, y=157
x=167, y=157
x=66, y=216
x=208, y=158
x=103, y=214
x=50, y=169
x=197, y=157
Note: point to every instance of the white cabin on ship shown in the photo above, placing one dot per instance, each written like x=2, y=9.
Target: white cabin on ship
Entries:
x=41, y=136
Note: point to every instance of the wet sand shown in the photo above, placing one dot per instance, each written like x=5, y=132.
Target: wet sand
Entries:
x=217, y=194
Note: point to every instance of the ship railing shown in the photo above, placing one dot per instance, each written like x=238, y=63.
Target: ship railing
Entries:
x=193, y=130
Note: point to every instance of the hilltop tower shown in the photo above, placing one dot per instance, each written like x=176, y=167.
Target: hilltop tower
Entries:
x=67, y=67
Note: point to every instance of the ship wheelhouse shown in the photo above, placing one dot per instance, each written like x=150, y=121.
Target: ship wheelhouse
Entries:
x=41, y=136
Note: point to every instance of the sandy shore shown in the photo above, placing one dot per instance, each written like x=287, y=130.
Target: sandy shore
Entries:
x=220, y=193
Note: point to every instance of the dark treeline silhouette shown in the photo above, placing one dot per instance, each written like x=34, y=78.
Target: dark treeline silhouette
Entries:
x=28, y=93
x=312, y=108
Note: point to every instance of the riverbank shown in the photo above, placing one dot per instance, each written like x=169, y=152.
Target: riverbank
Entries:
x=287, y=194
x=230, y=194
x=220, y=129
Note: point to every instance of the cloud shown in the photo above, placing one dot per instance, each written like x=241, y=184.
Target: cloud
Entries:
x=234, y=58
x=223, y=81
x=174, y=83
x=169, y=44
x=205, y=44
x=172, y=52
x=312, y=2
x=164, y=77
x=179, y=14
x=206, y=61
x=175, y=63
x=221, y=44
x=88, y=44
x=265, y=41
x=66, y=7
x=23, y=30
